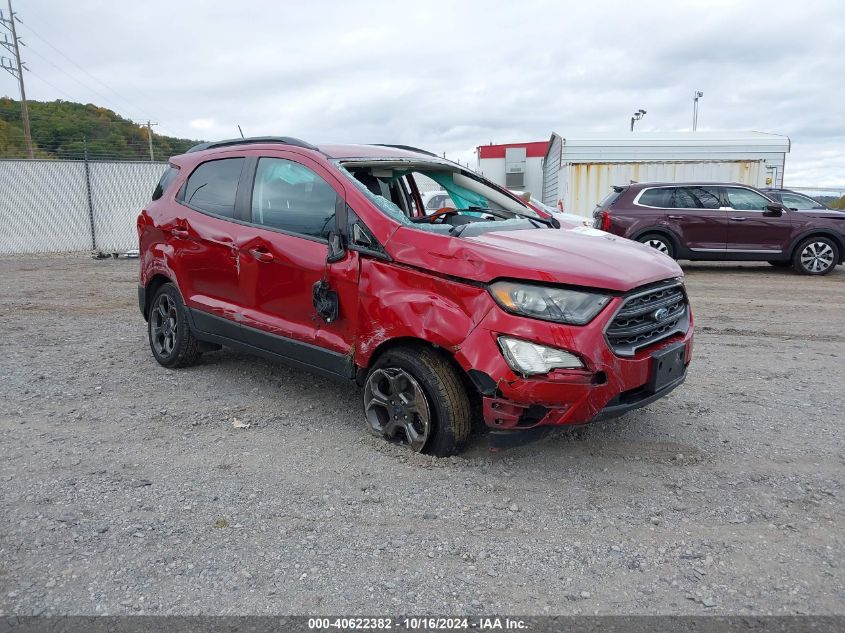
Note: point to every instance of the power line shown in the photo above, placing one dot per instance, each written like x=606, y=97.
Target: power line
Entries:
x=126, y=100
x=52, y=85
x=79, y=81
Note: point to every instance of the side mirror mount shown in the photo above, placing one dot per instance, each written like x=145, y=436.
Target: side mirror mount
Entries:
x=773, y=211
x=360, y=237
x=337, y=249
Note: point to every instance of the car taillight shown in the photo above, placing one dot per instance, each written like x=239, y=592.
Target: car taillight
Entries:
x=604, y=220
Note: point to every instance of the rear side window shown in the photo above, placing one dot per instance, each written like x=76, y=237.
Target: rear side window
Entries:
x=707, y=197
x=166, y=180
x=290, y=197
x=661, y=198
x=213, y=186
x=683, y=199
x=696, y=198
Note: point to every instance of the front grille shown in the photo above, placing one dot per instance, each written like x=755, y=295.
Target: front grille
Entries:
x=641, y=321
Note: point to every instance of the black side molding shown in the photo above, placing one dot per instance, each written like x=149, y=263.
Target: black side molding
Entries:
x=215, y=329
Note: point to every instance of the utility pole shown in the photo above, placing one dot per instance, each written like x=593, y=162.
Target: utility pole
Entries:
x=697, y=94
x=150, y=139
x=15, y=67
x=639, y=114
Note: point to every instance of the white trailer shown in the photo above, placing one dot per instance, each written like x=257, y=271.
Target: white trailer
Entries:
x=579, y=172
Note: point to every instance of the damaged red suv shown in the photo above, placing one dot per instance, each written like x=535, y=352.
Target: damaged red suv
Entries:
x=326, y=258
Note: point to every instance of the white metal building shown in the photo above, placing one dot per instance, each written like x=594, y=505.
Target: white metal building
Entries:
x=579, y=171
x=514, y=165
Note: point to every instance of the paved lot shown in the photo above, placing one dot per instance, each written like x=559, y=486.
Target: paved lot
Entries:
x=124, y=487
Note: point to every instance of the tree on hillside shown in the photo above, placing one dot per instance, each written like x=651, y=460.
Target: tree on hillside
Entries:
x=62, y=129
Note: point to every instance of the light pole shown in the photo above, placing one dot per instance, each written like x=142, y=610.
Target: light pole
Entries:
x=696, y=96
x=639, y=114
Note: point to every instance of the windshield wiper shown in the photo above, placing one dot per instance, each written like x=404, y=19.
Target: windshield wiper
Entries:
x=508, y=215
x=457, y=230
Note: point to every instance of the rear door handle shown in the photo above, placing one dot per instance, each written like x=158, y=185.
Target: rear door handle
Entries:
x=261, y=254
x=675, y=217
x=180, y=232
x=739, y=219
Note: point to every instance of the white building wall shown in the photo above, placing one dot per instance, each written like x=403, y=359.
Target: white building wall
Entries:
x=585, y=184
x=494, y=169
x=580, y=171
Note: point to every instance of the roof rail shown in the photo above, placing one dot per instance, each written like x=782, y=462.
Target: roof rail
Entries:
x=407, y=148
x=285, y=140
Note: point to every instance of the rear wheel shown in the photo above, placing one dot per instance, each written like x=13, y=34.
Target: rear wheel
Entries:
x=816, y=256
x=171, y=340
x=416, y=396
x=658, y=242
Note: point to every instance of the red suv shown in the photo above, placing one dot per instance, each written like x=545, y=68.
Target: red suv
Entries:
x=324, y=258
x=729, y=222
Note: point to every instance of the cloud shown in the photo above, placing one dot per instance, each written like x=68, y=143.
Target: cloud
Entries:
x=449, y=76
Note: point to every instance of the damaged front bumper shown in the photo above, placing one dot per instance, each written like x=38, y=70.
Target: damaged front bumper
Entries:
x=608, y=386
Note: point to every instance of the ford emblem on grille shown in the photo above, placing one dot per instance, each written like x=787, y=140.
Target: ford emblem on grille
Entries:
x=660, y=315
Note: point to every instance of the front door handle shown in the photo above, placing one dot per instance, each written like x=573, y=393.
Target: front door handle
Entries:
x=180, y=232
x=739, y=219
x=261, y=255
x=675, y=217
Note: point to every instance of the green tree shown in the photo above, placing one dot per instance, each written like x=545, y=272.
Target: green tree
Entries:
x=62, y=129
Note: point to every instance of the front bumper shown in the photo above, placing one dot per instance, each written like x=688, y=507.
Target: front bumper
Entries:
x=608, y=386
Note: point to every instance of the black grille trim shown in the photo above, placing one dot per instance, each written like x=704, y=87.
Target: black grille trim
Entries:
x=633, y=327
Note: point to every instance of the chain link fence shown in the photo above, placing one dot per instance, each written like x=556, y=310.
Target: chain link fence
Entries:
x=60, y=206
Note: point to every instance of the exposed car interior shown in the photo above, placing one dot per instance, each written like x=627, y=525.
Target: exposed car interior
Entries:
x=395, y=188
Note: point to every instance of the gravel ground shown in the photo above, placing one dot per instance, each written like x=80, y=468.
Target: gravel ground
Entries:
x=125, y=488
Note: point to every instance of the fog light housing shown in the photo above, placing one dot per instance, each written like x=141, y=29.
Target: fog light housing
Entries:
x=530, y=359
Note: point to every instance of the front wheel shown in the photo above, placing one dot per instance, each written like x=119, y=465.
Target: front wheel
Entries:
x=416, y=396
x=816, y=256
x=658, y=242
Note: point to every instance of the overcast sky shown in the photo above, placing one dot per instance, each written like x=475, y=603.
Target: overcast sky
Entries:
x=448, y=76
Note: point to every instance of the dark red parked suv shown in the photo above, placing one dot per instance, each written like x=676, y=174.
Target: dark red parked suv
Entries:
x=712, y=221
x=324, y=258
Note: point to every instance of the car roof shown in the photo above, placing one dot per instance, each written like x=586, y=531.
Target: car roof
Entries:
x=330, y=150
x=373, y=151
x=703, y=183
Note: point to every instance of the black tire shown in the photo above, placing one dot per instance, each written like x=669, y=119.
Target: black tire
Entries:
x=172, y=342
x=446, y=401
x=667, y=247
x=817, y=255
x=781, y=264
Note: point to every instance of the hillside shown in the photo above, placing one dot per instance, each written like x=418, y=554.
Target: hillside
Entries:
x=60, y=129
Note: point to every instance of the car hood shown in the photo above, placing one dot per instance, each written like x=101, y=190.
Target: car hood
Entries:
x=545, y=255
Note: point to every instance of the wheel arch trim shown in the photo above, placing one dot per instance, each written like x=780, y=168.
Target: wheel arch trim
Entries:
x=147, y=291
x=819, y=232
x=661, y=230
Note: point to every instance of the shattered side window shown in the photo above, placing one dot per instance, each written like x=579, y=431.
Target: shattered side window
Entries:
x=377, y=198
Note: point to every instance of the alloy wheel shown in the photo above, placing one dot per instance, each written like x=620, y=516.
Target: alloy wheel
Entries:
x=817, y=257
x=164, y=323
x=395, y=405
x=658, y=245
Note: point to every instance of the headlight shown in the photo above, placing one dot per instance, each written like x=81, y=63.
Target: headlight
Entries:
x=529, y=358
x=550, y=304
